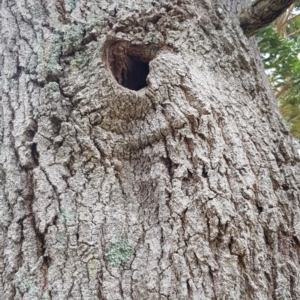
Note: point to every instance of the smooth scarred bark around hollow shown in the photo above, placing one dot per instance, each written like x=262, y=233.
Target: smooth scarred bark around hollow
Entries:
x=261, y=13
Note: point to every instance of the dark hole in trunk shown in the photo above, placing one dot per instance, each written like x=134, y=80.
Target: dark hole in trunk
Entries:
x=134, y=77
x=129, y=63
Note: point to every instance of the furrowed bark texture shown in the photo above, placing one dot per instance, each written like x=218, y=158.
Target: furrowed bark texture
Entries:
x=262, y=13
x=235, y=6
x=185, y=189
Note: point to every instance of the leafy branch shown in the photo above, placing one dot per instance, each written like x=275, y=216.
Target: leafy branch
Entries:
x=280, y=48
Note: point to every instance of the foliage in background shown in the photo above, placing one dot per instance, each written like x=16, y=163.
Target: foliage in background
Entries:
x=279, y=44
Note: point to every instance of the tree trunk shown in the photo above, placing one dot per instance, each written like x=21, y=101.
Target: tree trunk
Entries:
x=236, y=6
x=142, y=156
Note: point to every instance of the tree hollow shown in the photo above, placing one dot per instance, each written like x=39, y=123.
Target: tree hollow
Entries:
x=129, y=63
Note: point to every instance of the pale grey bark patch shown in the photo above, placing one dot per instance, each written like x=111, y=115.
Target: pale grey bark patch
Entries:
x=190, y=184
x=235, y=6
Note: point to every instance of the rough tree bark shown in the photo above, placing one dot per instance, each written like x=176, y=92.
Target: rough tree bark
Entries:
x=262, y=13
x=181, y=185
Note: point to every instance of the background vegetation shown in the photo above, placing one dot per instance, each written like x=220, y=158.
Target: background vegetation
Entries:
x=279, y=44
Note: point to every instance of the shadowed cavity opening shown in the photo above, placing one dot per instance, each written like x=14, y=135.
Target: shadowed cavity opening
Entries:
x=129, y=64
x=134, y=77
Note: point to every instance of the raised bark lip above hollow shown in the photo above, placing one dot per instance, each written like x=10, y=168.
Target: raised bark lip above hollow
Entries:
x=261, y=13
